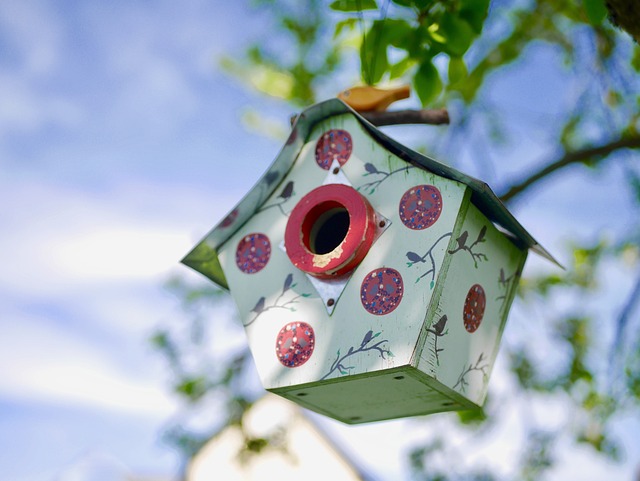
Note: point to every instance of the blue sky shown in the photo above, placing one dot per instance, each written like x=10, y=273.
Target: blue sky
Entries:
x=121, y=145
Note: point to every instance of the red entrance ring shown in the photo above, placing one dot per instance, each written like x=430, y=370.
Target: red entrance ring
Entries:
x=330, y=231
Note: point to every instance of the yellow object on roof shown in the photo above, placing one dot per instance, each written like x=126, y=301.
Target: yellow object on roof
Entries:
x=367, y=98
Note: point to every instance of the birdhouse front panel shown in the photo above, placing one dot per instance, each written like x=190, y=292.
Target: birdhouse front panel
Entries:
x=373, y=323
x=371, y=280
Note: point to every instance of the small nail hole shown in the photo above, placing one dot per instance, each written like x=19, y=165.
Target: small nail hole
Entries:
x=382, y=223
x=336, y=170
x=331, y=302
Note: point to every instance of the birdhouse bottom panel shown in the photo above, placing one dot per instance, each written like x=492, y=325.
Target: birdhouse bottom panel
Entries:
x=388, y=394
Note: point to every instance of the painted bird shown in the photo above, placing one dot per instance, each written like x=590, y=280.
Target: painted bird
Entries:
x=439, y=326
x=367, y=98
x=259, y=306
x=462, y=240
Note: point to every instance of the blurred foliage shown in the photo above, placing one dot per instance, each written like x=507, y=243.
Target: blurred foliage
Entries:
x=565, y=349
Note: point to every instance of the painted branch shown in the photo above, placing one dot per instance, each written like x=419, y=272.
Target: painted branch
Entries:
x=596, y=154
x=399, y=117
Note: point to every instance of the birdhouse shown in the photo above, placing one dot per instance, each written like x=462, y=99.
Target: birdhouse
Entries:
x=373, y=282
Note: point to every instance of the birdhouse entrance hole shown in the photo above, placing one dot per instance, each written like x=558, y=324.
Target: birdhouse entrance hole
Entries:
x=328, y=229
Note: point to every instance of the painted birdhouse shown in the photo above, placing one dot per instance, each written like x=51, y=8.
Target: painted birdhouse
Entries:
x=373, y=282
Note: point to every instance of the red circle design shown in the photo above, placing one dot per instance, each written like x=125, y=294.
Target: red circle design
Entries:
x=334, y=144
x=309, y=212
x=474, y=306
x=295, y=343
x=420, y=207
x=230, y=219
x=381, y=291
x=253, y=253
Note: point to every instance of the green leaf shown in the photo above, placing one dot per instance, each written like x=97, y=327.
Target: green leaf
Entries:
x=353, y=5
x=427, y=83
x=635, y=61
x=348, y=24
x=595, y=10
x=373, y=54
x=457, y=70
x=193, y=388
x=472, y=416
x=431, y=284
x=399, y=69
x=458, y=34
x=474, y=12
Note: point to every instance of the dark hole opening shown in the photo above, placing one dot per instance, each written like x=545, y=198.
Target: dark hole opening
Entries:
x=329, y=230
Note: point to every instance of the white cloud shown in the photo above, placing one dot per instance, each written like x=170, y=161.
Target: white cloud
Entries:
x=56, y=239
x=44, y=362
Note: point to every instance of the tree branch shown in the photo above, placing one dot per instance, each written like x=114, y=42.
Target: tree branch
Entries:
x=591, y=153
x=398, y=117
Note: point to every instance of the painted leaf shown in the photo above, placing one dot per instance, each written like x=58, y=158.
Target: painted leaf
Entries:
x=481, y=234
x=353, y=5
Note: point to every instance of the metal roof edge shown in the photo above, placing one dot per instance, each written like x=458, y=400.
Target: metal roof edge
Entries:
x=482, y=195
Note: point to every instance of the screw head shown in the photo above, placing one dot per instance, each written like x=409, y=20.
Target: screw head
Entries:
x=331, y=302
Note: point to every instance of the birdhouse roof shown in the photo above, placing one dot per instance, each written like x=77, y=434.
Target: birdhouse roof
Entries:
x=204, y=257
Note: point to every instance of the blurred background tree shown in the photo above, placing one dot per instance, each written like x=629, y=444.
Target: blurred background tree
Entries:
x=570, y=362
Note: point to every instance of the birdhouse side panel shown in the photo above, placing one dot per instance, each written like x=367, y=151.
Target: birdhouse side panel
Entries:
x=465, y=330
